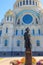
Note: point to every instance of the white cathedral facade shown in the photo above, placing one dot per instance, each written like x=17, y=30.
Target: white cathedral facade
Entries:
x=25, y=13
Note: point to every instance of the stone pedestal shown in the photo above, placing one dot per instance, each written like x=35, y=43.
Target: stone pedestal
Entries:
x=28, y=56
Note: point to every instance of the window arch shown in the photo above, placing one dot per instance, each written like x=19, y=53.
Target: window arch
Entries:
x=18, y=21
x=33, y=32
x=7, y=18
x=33, y=2
x=0, y=32
x=6, y=30
x=30, y=2
x=36, y=3
x=36, y=21
x=26, y=2
x=38, y=42
x=23, y=2
x=10, y=18
x=22, y=32
x=20, y=3
x=6, y=42
x=18, y=42
x=39, y=31
x=16, y=32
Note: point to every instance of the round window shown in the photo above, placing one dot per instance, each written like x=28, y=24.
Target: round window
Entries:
x=27, y=19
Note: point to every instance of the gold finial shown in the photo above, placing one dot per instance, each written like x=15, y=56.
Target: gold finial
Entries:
x=9, y=12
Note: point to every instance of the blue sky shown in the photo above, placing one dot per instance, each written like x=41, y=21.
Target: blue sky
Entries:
x=6, y=5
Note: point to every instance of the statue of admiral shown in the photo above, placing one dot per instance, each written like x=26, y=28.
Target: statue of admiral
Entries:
x=27, y=39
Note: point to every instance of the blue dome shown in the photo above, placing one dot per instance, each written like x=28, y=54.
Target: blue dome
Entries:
x=27, y=19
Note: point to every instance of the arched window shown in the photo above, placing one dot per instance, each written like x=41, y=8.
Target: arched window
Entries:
x=23, y=2
x=18, y=21
x=30, y=2
x=7, y=18
x=39, y=31
x=6, y=30
x=33, y=2
x=18, y=42
x=36, y=3
x=26, y=2
x=16, y=32
x=10, y=18
x=6, y=42
x=33, y=32
x=22, y=32
x=0, y=32
x=20, y=3
x=38, y=42
x=36, y=21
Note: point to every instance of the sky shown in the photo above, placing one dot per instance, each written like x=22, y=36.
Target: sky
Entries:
x=5, y=5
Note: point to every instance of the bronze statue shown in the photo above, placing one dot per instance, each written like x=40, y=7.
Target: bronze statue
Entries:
x=27, y=39
x=28, y=53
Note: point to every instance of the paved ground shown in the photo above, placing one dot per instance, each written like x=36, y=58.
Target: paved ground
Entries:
x=6, y=61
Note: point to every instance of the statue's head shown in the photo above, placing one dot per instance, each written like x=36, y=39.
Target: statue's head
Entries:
x=27, y=29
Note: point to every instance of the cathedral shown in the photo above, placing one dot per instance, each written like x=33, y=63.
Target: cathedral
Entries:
x=25, y=13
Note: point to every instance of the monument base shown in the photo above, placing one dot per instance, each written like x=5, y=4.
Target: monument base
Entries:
x=28, y=57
